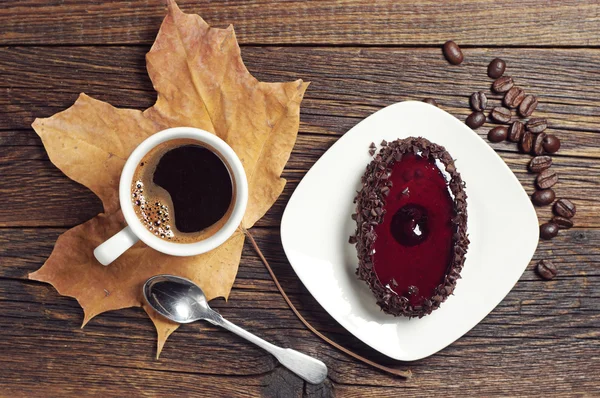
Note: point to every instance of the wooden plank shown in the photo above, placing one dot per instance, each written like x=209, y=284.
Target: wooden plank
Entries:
x=389, y=22
x=23, y=250
x=35, y=193
x=348, y=84
x=575, y=253
x=554, y=326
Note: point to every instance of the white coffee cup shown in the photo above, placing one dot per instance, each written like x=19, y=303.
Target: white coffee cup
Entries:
x=108, y=251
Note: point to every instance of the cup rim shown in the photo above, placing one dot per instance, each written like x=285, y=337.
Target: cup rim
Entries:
x=238, y=175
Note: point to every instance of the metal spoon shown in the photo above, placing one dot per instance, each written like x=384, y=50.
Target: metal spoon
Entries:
x=182, y=301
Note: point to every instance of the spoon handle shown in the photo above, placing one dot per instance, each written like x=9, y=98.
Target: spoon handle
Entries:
x=310, y=369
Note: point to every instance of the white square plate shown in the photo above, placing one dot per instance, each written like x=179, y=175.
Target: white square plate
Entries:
x=502, y=226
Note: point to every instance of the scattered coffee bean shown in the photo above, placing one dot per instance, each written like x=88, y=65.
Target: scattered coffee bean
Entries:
x=475, y=120
x=503, y=84
x=551, y=143
x=501, y=114
x=478, y=101
x=546, y=269
x=526, y=142
x=564, y=208
x=537, y=125
x=562, y=222
x=538, y=144
x=452, y=52
x=546, y=179
x=528, y=105
x=430, y=101
x=543, y=197
x=540, y=163
x=514, y=97
x=496, y=68
x=498, y=134
x=515, y=131
x=548, y=230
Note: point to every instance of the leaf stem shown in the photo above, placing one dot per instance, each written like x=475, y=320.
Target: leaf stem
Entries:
x=402, y=373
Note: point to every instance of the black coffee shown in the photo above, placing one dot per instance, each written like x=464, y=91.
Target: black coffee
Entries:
x=182, y=191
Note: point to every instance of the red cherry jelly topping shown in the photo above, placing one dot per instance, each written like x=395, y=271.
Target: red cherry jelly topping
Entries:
x=415, y=240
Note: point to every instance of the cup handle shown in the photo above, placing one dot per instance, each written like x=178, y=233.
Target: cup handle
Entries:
x=110, y=250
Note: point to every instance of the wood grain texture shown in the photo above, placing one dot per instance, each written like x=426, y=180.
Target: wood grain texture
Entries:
x=384, y=22
x=543, y=339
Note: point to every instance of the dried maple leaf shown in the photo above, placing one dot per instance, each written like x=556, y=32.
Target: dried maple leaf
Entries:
x=201, y=82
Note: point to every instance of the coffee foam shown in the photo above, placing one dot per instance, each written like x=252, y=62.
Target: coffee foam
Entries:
x=153, y=204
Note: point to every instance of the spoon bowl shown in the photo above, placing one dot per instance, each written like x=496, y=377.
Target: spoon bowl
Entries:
x=176, y=298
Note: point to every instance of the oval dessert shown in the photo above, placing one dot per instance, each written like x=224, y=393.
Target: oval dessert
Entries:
x=411, y=235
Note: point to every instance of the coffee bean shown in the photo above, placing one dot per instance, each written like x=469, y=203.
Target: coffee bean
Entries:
x=538, y=144
x=430, y=101
x=546, y=269
x=501, y=114
x=543, y=197
x=546, y=179
x=564, y=208
x=537, y=125
x=515, y=131
x=528, y=105
x=496, y=68
x=562, y=222
x=452, y=52
x=514, y=97
x=540, y=163
x=503, y=84
x=548, y=230
x=475, y=120
x=551, y=143
x=478, y=101
x=526, y=142
x=498, y=134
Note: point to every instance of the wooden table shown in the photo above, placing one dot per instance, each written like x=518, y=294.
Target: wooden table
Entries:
x=543, y=339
